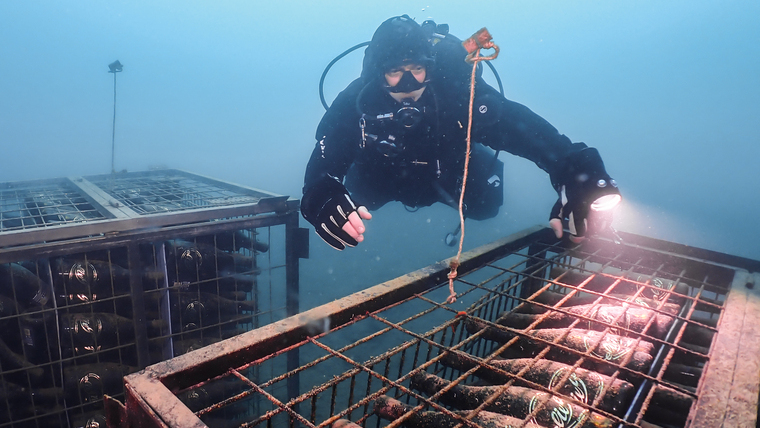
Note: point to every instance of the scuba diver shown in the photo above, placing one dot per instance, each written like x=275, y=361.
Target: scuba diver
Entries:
x=398, y=133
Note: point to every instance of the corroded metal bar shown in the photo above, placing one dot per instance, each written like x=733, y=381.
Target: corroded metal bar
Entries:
x=162, y=380
x=729, y=388
x=154, y=385
x=214, y=359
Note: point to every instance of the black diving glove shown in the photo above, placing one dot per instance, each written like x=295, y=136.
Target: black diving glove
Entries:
x=585, y=188
x=327, y=206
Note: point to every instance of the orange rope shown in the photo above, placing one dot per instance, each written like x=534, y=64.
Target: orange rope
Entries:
x=479, y=40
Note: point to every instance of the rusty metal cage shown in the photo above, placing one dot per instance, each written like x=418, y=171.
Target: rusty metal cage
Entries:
x=102, y=276
x=638, y=333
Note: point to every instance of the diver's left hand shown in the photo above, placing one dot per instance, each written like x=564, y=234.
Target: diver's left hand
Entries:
x=559, y=231
x=560, y=212
x=584, y=208
x=584, y=189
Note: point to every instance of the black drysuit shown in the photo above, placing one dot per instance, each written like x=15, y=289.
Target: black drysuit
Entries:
x=417, y=156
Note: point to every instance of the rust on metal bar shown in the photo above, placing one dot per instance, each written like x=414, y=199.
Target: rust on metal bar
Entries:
x=272, y=399
x=521, y=275
x=728, y=391
x=239, y=350
x=156, y=382
x=147, y=398
x=493, y=397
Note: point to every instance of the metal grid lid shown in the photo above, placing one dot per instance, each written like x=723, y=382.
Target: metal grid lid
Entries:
x=39, y=211
x=173, y=191
x=34, y=205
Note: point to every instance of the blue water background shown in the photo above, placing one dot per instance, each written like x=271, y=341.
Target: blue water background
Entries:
x=668, y=91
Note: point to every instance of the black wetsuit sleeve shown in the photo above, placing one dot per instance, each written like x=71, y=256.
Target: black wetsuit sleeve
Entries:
x=516, y=129
x=498, y=122
x=338, y=136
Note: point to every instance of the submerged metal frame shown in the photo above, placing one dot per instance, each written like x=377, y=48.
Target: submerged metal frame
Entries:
x=117, y=217
x=125, y=229
x=151, y=402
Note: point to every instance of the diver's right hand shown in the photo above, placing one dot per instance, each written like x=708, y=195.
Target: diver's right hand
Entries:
x=334, y=215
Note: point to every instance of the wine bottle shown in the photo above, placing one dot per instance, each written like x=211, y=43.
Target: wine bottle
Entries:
x=23, y=285
x=81, y=334
x=185, y=263
x=608, y=347
x=242, y=283
x=689, y=359
x=693, y=333
x=238, y=282
x=15, y=215
x=44, y=416
x=17, y=394
x=73, y=299
x=195, y=261
x=226, y=285
x=696, y=348
x=39, y=335
x=50, y=210
x=392, y=409
x=583, y=385
x=92, y=277
x=213, y=392
x=9, y=326
x=551, y=298
x=89, y=382
x=204, y=309
x=92, y=285
x=234, y=241
x=697, y=335
x=668, y=417
x=669, y=398
x=11, y=360
x=102, y=330
x=95, y=419
x=120, y=305
x=683, y=374
x=628, y=317
x=514, y=401
x=658, y=288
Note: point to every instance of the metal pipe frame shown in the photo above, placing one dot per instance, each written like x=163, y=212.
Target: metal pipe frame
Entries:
x=119, y=218
x=151, y=401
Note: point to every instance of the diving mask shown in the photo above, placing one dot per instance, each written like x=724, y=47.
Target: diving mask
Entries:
x=407, y=83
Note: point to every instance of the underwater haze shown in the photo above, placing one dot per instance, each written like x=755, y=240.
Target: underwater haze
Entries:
x=668, y=91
